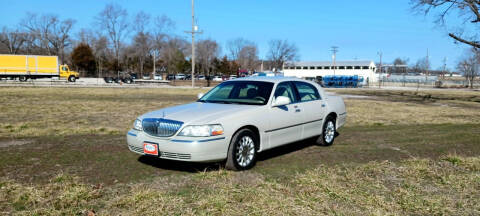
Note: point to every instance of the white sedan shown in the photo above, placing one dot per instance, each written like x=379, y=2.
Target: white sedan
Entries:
x=238, y=119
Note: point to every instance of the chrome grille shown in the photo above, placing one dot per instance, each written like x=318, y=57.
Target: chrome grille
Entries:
x=161, y=127
x=175, y=155
x=136, y=149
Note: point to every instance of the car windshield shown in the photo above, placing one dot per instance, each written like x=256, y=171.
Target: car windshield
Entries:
x=239, y=92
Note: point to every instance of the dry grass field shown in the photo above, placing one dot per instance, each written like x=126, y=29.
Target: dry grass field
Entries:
x=63, y=152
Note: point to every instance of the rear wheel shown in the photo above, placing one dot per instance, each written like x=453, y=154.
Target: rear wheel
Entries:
x=242, y=153
x=328, y=132
x=71, y=78
x=22, y=78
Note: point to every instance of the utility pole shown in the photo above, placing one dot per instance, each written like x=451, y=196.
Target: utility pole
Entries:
x=154, y=70
x=444, y=67
x=380, y=69
x=426, y=68
x=193, y=32
x=334, y=57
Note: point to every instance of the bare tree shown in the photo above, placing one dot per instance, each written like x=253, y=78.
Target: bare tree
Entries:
x=248, y=57
x=12, y=40
x=101, y=52
x=468, y=10
x=141, y=22
x=162, y=26
x=468, y=66
x=421, y=66
x=60, y=37
x=113, y=20
x=207, y=51
x=48, y=34
x=142, y=44
x=281, y=51
x=173, y=54
x=244, y=52
x=236, y=45
x=142, y=41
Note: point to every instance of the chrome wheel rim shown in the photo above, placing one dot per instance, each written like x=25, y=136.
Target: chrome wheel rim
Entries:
x=245, y=151
x=329, y=132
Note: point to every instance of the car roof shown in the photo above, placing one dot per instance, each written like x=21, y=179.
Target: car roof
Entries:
x=273, y=79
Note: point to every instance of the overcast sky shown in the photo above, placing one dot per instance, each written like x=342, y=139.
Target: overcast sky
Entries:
x=359, y=28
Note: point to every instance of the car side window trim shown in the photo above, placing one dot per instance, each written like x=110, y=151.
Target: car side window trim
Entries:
x=299, y=100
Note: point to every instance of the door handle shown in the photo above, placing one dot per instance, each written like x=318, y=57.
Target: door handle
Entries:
x=297, y=110
x=323, y=105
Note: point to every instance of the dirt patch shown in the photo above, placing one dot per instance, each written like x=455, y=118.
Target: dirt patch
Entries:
x=344, y=96
x=8, y=143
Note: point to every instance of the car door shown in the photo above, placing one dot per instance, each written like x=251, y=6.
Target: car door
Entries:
x=285, y=121
x=313, y=108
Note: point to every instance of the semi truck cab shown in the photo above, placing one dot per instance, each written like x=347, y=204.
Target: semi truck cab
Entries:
x=65, y=72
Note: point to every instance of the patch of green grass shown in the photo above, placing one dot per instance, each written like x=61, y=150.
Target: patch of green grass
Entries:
x=414, y=186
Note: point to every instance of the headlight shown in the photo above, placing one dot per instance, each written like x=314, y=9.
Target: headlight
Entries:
x=202, y=130
x=137, y=125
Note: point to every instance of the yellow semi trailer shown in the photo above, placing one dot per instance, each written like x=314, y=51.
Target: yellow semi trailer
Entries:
x=26, y=67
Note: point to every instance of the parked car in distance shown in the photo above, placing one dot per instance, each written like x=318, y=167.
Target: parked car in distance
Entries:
x=238, y=119
x=170, y=77
x=146, y=77
x=233, y=76
x=180, y=76
x=157, y=77
x=201, y=77
x=217, y=78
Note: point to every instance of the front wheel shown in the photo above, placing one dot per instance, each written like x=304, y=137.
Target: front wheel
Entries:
x=71, y=78
x=328, y=132
x=22, y=78
x=242, y=153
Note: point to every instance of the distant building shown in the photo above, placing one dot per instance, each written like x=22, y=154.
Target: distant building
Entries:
x=313, y=69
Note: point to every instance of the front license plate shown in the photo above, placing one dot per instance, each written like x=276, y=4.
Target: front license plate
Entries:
x=150, y=148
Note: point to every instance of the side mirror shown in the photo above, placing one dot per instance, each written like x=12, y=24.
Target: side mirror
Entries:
x=200, y=95
x=281, y=101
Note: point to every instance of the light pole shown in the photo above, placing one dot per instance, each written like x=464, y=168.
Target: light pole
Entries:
x=334, y=56
x=380, y=69
x=193, y=32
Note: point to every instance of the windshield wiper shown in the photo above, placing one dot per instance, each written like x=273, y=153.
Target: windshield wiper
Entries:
x=218, y=101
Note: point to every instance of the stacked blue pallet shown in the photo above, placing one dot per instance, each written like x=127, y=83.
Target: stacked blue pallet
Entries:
x=342, y=81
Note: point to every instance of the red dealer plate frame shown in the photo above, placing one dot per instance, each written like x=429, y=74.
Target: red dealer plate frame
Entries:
x=150, y=148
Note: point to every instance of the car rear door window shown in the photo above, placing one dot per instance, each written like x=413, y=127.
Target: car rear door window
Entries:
x=306, y=91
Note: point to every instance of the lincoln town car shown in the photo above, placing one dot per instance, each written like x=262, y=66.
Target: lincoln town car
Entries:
x=238, y=119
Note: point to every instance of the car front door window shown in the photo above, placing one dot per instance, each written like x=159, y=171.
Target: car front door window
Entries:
x=285, y=89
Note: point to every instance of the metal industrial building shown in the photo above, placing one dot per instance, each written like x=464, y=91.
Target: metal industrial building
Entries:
x=313, y=69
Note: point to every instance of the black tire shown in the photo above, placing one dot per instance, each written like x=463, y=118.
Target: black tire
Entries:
x=128, y=81
x=236, y=163
x=328, y=133
x=22, y=78
x=72, y=78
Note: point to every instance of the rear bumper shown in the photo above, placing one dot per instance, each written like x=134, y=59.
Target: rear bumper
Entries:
x=195, y=149
x=341, y=119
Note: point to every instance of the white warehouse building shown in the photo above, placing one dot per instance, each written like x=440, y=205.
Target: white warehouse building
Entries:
x=313, y=69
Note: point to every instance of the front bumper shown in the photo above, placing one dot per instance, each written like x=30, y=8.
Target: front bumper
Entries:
x=196, y=149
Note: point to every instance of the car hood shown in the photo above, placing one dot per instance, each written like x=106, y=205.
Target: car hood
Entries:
x=198, y=113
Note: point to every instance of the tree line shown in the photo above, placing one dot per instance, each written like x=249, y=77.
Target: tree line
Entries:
x=117, y=41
